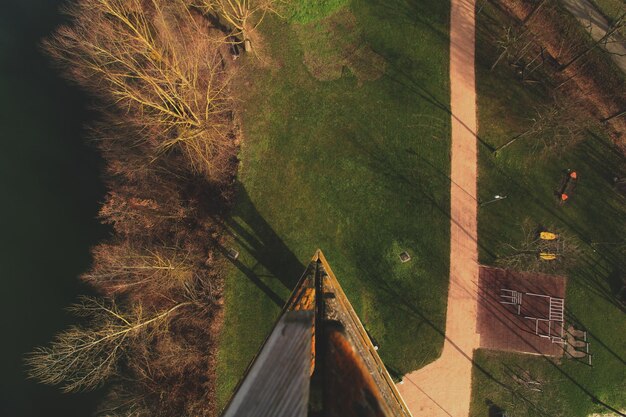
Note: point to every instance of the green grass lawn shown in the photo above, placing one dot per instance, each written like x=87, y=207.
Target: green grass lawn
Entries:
x=354, y=166
x=595, y=216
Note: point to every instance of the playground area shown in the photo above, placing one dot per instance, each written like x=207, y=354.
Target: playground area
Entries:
x=521, y=311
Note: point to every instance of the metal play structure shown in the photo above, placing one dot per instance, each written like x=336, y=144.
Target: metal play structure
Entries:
x=547, y=312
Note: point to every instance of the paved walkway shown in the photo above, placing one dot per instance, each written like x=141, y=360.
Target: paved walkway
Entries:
x=590, y=17
x=443, y=388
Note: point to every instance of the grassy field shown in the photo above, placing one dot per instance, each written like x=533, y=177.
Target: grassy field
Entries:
x=595, y=217
x=357, y=166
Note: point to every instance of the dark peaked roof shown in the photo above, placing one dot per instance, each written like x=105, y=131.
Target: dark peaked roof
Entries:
x=318, y=360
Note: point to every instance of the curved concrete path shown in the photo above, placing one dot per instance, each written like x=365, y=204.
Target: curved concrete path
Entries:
x=443, y=388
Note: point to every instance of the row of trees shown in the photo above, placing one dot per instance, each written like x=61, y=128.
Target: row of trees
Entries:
x=161, y=73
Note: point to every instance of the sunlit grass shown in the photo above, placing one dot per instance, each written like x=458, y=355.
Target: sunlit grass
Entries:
x=357, y=168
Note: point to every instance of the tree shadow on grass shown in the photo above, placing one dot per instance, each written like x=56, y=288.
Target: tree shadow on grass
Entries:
x=583, y=222
x=412, y=171
x=409, y=308
x=400, y=297
x=429, y=14
x=253, y=234
x=401, y=72
x=254, y=278
x=494, y=410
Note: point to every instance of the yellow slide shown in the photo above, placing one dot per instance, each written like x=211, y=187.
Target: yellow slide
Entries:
x=548, y=236
x=547, y=256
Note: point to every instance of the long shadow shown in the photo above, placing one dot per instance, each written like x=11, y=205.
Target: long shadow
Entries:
x=414, y=12
x=595, y=150
x=252, y=276
x=399, y=74
x=401, y=67
x=581, y=324
x=388, y=168
x=405, y=305
x=608, y=168
x=378, y=160
x=589, y=280
x=408, y=307
x=253, y=234
x=411, y=309
x=603, y=288
x=494, y=410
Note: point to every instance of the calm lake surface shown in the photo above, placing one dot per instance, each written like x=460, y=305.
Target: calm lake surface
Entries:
x=50, y=190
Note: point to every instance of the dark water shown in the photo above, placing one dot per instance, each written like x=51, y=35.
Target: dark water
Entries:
x=49, y=193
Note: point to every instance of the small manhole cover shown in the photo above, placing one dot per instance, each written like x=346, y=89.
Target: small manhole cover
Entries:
x=405, y=257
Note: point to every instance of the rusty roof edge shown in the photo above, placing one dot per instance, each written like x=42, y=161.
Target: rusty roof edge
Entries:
x=319, y=257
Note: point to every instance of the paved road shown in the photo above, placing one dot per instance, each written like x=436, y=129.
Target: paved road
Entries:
x=443, y=388
x=590, y=17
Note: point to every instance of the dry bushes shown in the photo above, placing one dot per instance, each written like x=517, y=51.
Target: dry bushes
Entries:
x=166, y=133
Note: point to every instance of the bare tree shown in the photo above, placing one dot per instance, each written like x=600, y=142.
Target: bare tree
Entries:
x=508, y=43
x=561, y=123
x=123, y=146
x=526, y=256
x=242, y=16
x=124, y=266
x=82, y=358
x=520, y=49
x=134, y=209
x=168, y=78
x=167, y=377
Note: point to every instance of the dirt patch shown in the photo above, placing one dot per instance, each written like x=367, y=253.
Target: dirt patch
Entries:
x=335, y=44
x=503, y=326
